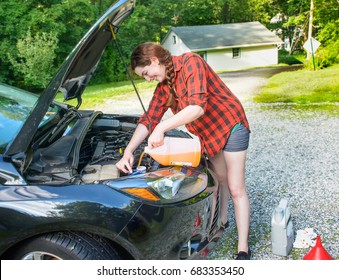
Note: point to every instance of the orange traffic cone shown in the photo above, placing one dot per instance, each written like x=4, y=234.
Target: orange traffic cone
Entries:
x=318, y=252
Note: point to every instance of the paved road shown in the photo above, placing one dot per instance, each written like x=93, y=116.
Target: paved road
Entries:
x=247, y=83
x=260, y=72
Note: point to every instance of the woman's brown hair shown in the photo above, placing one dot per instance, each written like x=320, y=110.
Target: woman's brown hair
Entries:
x=141, y=56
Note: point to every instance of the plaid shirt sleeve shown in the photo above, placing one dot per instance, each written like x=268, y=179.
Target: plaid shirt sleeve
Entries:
x=156, y=109
x=195, y=81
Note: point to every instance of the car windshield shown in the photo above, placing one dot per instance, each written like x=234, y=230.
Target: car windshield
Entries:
x=15, y=107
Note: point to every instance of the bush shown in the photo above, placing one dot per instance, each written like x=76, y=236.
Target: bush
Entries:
x=285, y=58
x=35, y=58
x=328, y=56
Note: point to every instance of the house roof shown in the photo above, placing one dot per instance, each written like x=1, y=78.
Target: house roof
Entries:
x=205, y=37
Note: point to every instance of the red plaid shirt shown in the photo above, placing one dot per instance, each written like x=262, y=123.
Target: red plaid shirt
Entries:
x=197, y=84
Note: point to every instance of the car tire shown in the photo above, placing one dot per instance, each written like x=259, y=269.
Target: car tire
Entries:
x=66, y=246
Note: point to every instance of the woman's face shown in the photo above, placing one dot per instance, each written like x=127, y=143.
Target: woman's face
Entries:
x=153, y=72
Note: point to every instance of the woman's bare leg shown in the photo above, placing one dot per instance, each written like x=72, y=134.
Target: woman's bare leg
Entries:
x=219, y=167
x=235, y=166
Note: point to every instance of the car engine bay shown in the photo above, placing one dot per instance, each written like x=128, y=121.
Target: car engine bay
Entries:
x=88, y=149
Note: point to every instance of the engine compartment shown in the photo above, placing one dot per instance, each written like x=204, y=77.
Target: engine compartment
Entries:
x=107, y=147
x=87, y=151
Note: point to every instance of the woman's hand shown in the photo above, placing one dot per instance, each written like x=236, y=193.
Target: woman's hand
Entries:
x=187, y=115
x=126, y=162
x=156, y=139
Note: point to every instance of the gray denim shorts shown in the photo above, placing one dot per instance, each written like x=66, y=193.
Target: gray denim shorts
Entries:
x=238, y=140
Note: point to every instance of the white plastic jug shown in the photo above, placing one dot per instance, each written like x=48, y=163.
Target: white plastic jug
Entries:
x=282, y=229
x=177, y=151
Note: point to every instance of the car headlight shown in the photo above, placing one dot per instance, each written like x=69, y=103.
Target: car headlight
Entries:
x=164, y=185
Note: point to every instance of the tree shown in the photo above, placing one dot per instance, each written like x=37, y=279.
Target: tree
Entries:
x=326, y=23
x=68, y=20
x=198, y=12
x=35, y=58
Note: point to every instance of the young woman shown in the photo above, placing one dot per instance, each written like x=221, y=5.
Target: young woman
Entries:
x=204, y=104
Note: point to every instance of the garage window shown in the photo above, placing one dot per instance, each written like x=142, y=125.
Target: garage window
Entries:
x=236, y=52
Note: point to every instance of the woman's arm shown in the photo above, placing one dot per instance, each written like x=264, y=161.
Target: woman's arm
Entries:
x=126, y=162
x=187, y=115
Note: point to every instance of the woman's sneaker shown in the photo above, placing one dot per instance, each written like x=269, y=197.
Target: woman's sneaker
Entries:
x=243, y=255
x=224, y=226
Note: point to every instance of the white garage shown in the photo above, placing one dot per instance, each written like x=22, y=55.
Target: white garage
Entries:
x=226, y=46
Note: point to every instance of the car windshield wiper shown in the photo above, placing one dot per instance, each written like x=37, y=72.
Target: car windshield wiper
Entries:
x=65, y=120
x=68, y=117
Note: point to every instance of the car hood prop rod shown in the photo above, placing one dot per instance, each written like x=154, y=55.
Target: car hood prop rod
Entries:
x=129, y=74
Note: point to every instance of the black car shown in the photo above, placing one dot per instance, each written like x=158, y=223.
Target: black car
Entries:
x=61, y=195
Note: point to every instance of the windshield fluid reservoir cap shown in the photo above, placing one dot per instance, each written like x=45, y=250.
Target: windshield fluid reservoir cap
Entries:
x=141, y=169
x=177, y=151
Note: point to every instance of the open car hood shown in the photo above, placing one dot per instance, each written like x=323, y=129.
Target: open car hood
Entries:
x=80, y=65
x=75, y=72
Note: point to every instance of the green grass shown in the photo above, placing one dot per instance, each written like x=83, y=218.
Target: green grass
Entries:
x=285, y=58
x=302, y=87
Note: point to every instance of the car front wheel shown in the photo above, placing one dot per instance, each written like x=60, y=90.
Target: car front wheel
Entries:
x=66, y=246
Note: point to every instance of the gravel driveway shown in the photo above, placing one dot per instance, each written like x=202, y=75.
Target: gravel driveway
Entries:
x=293, y=154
